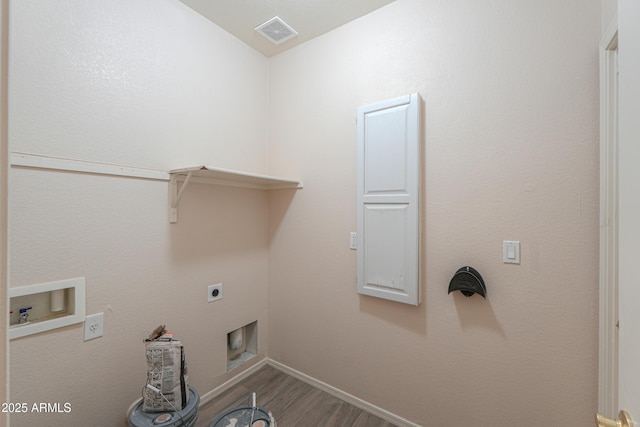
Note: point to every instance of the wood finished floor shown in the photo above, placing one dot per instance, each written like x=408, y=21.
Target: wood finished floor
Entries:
x=292, y=402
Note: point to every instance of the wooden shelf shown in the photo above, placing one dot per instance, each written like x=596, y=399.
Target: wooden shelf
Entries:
x=219, y=176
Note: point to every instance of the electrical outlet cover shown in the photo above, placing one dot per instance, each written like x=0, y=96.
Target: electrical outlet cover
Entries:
x=93, y=326
x=214, y=292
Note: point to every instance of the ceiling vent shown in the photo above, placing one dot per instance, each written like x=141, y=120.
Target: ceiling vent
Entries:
x=276, y=30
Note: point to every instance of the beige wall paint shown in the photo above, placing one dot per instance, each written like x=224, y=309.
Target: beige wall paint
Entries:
x=609, y=12
x=149, y=84
x=511, y=153
x=628, y=129
x=154, y=85
x=4, y=166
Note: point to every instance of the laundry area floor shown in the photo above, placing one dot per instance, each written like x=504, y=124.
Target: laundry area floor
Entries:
x=292, y=402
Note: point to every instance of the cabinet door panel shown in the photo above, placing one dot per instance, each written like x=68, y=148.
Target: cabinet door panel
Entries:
x=388, y=199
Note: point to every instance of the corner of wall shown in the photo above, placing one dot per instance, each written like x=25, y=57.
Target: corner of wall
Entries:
x=4, y=165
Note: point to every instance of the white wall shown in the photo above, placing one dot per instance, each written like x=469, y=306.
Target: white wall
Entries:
x=511, y=150
x=511, y=153
x=629, y=208
x=609, y=13
x=4, y=173
x=147, y=84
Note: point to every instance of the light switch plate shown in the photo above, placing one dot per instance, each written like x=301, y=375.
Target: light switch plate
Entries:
x=511, y=252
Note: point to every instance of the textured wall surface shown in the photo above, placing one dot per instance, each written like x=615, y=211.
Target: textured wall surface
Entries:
x=511, y=153
x=628, y=204
x=609, y=13
x=4, y=173
x=510, y=95
x=150, y=85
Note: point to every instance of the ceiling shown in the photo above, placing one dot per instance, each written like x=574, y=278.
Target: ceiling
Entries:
x=309, y=18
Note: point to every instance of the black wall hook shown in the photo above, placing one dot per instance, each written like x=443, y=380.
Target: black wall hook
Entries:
x=468, y=281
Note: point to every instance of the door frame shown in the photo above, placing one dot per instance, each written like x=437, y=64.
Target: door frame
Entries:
x=608, y=304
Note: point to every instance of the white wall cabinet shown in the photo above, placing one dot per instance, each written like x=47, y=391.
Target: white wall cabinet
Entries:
x=388, y=199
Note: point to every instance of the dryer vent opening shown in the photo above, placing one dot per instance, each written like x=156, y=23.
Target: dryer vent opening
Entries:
x=242, y=345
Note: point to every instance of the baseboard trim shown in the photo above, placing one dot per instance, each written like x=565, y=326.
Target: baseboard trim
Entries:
x=340, y=394
x=210, y=395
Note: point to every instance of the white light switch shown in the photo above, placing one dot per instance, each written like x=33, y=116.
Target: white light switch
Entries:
x=511, y=252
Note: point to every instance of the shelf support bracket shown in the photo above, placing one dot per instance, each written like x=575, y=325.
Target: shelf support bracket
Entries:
x=175, y=195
